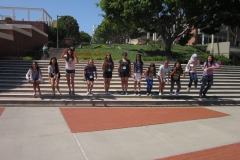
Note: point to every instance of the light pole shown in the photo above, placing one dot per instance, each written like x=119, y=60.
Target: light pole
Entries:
x=57, y=29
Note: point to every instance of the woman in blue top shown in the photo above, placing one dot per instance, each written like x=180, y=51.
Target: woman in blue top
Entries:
x=34, y=76
x=88, y=75
x=164, y=70
x=150, y=73
x=137, y=76
x=207, y=78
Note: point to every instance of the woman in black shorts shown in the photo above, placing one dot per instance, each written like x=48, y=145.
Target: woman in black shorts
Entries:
x=71, y=59
x=124, y=70
x=107, y=67
x=88, y=74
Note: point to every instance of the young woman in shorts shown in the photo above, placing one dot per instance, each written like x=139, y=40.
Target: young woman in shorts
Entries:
x=107, y=67
x=71, y=59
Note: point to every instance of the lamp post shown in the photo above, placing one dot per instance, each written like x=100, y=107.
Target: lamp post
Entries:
x=57, y=29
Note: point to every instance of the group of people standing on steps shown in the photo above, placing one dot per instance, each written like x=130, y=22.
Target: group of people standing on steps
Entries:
x=164, y=74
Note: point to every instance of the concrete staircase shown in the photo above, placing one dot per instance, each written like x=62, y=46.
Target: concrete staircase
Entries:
x=15, y=91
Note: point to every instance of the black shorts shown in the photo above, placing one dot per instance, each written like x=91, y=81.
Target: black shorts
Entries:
x=88, y=78
x=107, y=74
x=70, y=71
x=124, y=74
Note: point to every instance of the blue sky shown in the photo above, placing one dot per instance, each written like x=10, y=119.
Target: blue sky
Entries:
x=84, y=11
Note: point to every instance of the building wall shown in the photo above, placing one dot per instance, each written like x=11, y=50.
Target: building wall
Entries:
x=26, y=38
x=40, y=25
x=22, y=42
x=6, y=40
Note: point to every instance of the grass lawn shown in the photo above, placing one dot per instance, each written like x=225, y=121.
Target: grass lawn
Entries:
x=179, y=53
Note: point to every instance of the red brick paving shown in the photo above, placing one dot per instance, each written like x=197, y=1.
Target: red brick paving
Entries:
x=228, y=152
x=94, y=119
x=1, y=111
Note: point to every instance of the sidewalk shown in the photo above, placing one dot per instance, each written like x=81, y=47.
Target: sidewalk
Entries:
x=105, y=133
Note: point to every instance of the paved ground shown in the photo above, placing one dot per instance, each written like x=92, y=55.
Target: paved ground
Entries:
x=120, y=133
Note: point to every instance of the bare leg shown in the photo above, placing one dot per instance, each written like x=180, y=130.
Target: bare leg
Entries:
x=72, y=81
x=68, y=81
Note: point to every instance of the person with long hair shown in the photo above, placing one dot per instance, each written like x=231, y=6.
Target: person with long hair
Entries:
x=149, y=74
x=207, y=77
x=175, y=77
x=191, y=68
x=163, y=76
x=34, y=76
x=88, y=74
x=107, y=67
x=137, y=76
x=124, y=70
x=70, y=68
x=54, y=75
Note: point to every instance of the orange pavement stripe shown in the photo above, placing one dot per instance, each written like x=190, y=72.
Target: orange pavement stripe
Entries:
x=227, y=152
x=93, y=119
x=1, y=111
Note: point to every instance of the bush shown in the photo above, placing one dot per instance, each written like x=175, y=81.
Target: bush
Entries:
x=223, y=59
x=27, y=58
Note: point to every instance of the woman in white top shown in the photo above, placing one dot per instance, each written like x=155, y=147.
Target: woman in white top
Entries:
x=163, y=76
x=54, y=75
x=191, y=68
x=34, y=76
x=70, y=68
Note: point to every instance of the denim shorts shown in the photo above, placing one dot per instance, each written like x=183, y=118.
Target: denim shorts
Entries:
x=70, y=71
x=164, y=79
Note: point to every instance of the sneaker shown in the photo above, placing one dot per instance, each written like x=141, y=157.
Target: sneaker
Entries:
x=200, y=95
x=188, y=89
x=195, y=87
x=126, y=93
x=59, y=93
x=135, y=93
x=139, y=94
x=69, y=92
x=90, y=92
x=204, y=94
x=87, y=93
x=147, y=94
x=176, y=93
x=73, y=92
x=122, y=93
x=160, y=93
x=34, y=95
x=150, y=94
x=108, y=93
x=170, y=94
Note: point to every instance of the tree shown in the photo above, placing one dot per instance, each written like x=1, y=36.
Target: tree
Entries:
x=169, y=18
x=8, y=18
x=115, y=31
x=84, y=37
x=68, y=28
x=232, y=18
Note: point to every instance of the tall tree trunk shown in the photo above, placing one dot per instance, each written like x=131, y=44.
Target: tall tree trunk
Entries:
x=168, y=45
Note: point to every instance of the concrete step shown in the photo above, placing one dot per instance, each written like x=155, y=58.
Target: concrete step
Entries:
x=120, y=102
x=14, y=89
